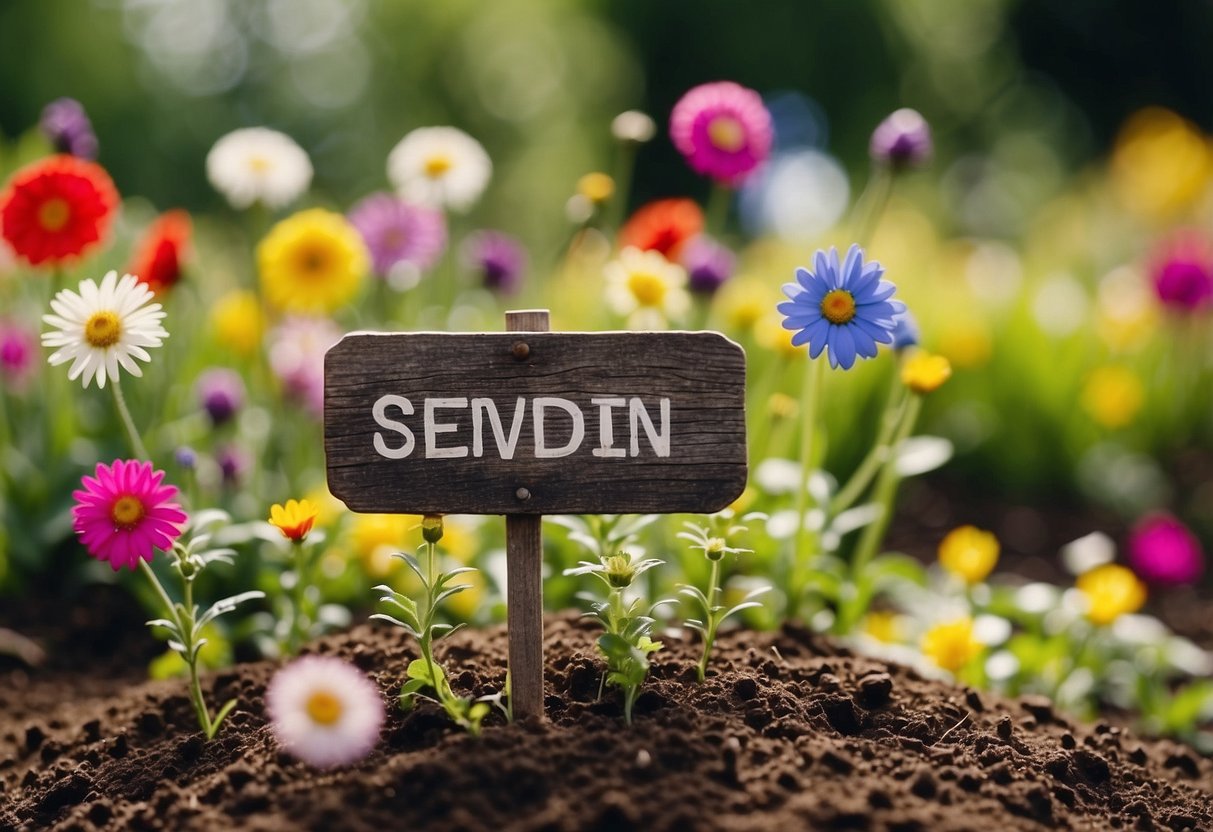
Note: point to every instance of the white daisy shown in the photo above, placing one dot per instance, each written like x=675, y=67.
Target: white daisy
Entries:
x=256, y=164
x=104, y=327
x=439, y=166
x=324, y=711
x=647, y=288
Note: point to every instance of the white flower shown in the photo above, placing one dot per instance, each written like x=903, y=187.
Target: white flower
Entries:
x=633, y=126
x=256, y=164
x=442, y=167
x=324, y=711
x=646, y=287
x=104, y=327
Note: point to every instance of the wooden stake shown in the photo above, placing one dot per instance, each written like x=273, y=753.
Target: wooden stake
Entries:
x=524, y=572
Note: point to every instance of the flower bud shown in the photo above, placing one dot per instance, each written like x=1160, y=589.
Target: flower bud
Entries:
x=715, y=548
x=903, y=140
x=431, y=528
x=619, y=570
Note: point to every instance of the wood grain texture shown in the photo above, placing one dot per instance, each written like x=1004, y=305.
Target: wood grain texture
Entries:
x=701, y=373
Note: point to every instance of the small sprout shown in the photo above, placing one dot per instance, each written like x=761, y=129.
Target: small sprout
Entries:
x=418, y=619
x=324, y=711
x=714, y=547
x=625, y=644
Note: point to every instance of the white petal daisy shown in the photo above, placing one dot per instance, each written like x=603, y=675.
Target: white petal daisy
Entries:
x=442, y=167
x=324, y=711
x=104, y=327
x=256, y=164
x=647, y=288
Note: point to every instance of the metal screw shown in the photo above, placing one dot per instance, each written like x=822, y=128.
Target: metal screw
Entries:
x=522, y=494
x=521, y=350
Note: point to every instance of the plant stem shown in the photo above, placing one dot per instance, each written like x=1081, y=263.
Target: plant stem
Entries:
x=718, y=209
x=879, y=453
x=710, y=622
x=124, y=414
x=801, y=554
x=204, y=720
x=886, y=490
x=427, y=648
x=874, y=198
x=187, y=626
x=624, y=165
x=295, y=636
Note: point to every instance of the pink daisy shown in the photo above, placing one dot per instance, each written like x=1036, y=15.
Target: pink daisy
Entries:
x=124, y=514
x=723, y=130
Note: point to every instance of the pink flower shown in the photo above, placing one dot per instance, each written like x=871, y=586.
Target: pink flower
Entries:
x=123, y=513
x=1164, y=551
x=1182, y=272
x=723, y=130
x=324, y=711
x=297, y=358
x=18, y=346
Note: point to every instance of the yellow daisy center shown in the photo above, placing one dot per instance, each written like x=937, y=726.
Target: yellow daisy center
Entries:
x=648, y=289
x=838, y=306
x=726, y=133
x=313, y=260
x=437, y=165
x=54, y=214
x=127, y=511
x=103, y=329
x=259, y=164
x=323, y=707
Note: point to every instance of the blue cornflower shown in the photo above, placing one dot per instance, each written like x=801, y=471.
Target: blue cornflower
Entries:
x=846, y=307
x=905, y=331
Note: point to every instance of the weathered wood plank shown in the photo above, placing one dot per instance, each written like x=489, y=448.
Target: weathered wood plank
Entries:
x=674, y=401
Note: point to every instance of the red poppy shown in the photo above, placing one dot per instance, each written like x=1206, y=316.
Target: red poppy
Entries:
x=57, y=208
x=663, y=225
x=157, y=261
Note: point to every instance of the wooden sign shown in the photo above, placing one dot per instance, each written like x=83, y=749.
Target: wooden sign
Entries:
x=541, y=423
x=530, y=422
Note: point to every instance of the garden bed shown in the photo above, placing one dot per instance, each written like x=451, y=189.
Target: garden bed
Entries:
x=789, y=730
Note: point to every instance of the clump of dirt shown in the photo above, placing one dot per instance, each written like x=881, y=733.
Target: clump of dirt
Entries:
x=788, y=731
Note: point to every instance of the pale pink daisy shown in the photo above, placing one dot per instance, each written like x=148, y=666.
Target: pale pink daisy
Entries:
x=123, y=513
x=723, y=130
x=324, y=711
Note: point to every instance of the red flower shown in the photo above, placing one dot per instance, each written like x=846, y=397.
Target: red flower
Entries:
x=57, y=209
x=157, y=261
x=662, y=226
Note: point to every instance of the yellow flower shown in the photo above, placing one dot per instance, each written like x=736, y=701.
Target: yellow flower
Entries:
x=238, y=322
x=329, y=508
x=743, y=301
x=885, y=626
x=1113, y=396
x=925, y=373
x=782, y=406
x=969, y=553
x=312, y=262
x=769, y=333
x=951, y=645
x=1111, y=591
x=464, y=605
x=647, y=288
x=295, y=519
x=375, y=537
x=596, y=187
x=1161, y=164
x=744, y=500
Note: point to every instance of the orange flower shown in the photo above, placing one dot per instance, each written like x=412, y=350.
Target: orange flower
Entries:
x=295, y=519
x=662, y=226
x=158, y=259
x=57, y=209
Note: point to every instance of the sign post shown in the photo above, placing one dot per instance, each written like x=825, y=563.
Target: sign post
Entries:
x=531, y=422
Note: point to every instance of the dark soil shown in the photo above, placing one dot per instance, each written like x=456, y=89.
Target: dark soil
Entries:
x=789, y=732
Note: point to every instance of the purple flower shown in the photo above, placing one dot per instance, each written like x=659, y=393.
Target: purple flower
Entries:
x=1163, y=550
x=186, y=457
x=221, y=394
x=498, y=258
x=708, y=263
x=398, y=232
x=18, y=345
x=233, y=463
x=1182, y=272
x=905, y=331
x=902, y=140
x=297, y=351
x=67, y=128
x=723, y=130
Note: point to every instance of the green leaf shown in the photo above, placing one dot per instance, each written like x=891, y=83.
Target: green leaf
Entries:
x=615, y=647
x=419, y=670
x=892, y=568
x=408, y=628
x=219, y=717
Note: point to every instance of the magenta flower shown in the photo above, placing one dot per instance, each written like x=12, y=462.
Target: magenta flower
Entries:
x=123, y=513
x=399, y=233
x=18, y=346
x=1163, y=550
x=1182, y=272
x=723, y=130
x=324, y=711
